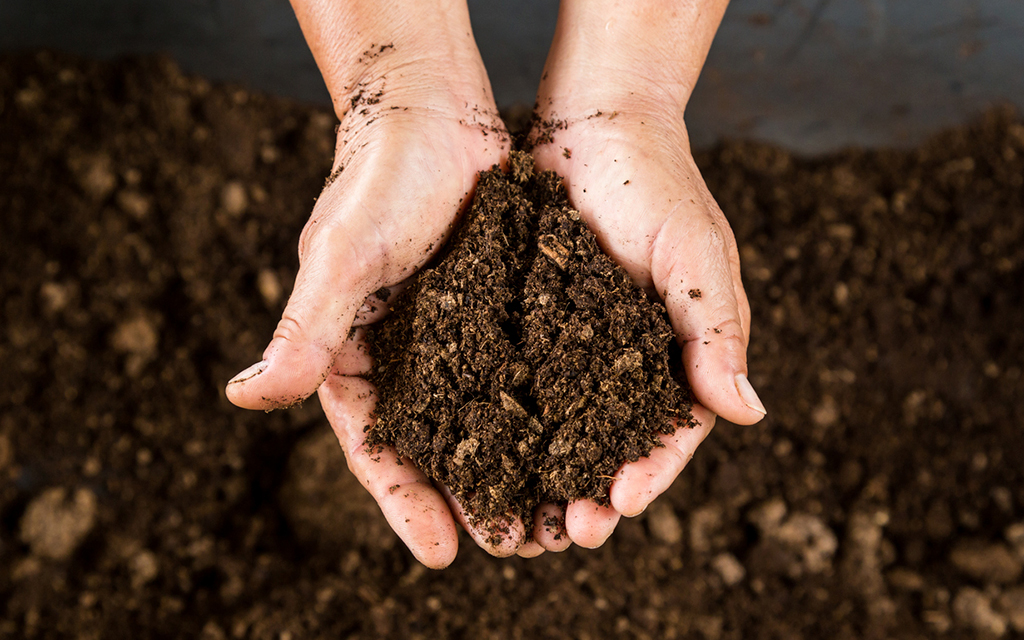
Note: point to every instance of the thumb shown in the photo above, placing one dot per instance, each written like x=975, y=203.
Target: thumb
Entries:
x=707, y=306
x=330, y=287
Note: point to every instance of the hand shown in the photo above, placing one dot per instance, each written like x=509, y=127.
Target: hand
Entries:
x=611, y=122
x=418, y=122
x=422, y=514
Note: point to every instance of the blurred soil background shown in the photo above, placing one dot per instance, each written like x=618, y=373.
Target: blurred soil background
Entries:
x=148, y=226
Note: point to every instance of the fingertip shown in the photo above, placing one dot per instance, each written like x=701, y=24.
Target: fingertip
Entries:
x=287, y=375
x=500, y=539
x=749, y=397
x=510, y=540
x=632, y=490
x=235, y=388
x=638, y=483
x=531, y=549
x=716, y=373
x=436, y=554
x=549, y=528
x=589, y=524
x=420, y=517
x=439, y=561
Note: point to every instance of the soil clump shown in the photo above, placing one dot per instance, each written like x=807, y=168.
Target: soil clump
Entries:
x=525, y=366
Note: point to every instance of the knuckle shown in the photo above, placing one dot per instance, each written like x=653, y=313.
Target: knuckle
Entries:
x=705, y=418
x=349, y=248
x=731, y=331
x=291, y=328
x=744, y=309
x=354, y=257
x=734, y=259
x=678, y=459
x=309, y=231
x=729, y=326
x=715, y=254
x=716, y=237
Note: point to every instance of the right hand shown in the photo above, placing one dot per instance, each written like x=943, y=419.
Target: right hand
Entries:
x=407, y=175
x=407, y=169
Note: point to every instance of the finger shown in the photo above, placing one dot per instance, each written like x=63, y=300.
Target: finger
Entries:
x=693, y=271
x=549, y=527
x=378, y=304
x=741, y=295
x=590, y=524
x=412, y=506
x=638, y=483
x=530, y=550
x=354, y=358
x=335, y=276
x=500, y=539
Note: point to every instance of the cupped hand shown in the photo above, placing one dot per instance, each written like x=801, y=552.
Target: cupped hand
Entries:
x=424, y=515
x=411, y=142
x=637, y=187
x=618, y=138
x=402, y=174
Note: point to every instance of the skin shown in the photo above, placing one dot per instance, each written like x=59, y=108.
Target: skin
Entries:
x=631, y=174
x=418, y=122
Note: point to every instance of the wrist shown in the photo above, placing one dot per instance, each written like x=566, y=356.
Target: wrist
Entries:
x=613, y=55
x=403, y=52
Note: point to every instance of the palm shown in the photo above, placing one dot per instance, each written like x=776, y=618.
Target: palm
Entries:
x=635, y=183
x=401, y=177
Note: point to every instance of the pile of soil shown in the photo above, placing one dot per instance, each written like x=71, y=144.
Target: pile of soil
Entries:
x=526, y=366
x=147, y=242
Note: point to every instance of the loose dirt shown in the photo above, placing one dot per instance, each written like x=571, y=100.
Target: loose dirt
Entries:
x=525, y=367
x=147, y=244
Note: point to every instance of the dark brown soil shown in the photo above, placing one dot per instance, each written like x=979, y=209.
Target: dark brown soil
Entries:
x=525, y=367
x=148, y=225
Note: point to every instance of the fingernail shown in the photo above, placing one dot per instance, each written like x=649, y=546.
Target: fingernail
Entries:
x=251, y=372
x=748, y=394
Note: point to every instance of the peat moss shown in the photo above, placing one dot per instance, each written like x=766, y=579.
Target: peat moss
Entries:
x=525, y=366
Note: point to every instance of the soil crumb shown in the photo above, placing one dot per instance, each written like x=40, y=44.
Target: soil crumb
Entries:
x=525, y=366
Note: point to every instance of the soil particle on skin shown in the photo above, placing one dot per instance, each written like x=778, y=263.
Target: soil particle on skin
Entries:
x=541, y=131
x=525, y=366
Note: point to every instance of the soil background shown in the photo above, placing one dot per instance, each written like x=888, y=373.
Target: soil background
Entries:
x=148, y=225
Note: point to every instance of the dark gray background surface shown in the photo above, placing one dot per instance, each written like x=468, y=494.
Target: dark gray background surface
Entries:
x=812, y=75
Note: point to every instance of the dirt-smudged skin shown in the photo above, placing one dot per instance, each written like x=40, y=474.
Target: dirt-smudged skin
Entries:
x=525, y=366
